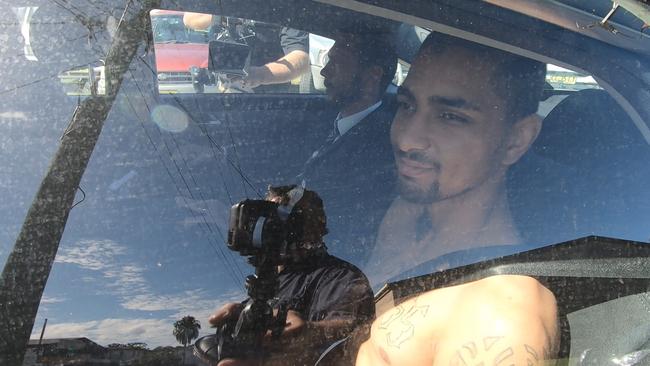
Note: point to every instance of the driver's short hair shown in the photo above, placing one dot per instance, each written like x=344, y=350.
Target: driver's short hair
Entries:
x=375, y=47
x=518, y=80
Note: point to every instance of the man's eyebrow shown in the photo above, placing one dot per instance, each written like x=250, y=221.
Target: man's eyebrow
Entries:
x=454, y=102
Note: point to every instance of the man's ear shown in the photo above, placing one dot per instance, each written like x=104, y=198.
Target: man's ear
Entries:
x=522, y=135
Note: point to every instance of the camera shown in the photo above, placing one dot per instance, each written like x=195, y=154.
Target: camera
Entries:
x=270, y=229
x=256, y=227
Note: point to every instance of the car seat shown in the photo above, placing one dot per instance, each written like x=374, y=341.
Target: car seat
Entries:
x=584, y=175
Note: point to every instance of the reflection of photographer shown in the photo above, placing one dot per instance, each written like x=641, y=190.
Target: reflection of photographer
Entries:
x=324, y=297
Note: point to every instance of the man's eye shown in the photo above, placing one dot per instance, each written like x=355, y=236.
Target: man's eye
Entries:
x=453, y=117
x=404, y=106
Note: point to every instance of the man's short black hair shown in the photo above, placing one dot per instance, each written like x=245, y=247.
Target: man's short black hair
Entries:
x=518, y=80
x=375, y=47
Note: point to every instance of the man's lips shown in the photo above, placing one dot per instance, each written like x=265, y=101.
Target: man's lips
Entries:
x=411, y=168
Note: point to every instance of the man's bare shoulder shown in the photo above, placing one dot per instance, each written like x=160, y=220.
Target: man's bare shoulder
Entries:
x=501, y=318
x=513, y=289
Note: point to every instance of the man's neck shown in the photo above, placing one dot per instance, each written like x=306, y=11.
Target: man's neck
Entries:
x=358, y=105
x=476, y=218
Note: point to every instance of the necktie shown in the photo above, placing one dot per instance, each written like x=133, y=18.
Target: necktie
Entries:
x=327, y=145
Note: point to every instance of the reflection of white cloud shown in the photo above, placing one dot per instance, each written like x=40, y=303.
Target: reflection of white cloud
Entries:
x=155, y=332
x=103, y=255
x=127, y=281
x=195, y=302
x=91, y=254
x=15, y=115
x=212, y=211
x=51, y=300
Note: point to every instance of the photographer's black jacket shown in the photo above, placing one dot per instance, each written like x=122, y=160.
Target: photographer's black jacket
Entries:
x=325, y=287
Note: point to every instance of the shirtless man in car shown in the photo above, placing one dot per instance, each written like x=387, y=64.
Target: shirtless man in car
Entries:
x=466, y=114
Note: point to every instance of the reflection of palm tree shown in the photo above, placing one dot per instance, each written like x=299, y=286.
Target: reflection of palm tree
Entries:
x=185, y=330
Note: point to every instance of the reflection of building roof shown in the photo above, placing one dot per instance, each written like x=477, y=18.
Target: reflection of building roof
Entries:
x=81, y=341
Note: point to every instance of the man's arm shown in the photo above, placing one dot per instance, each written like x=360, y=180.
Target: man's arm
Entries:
x=197, y=21
x=294, y=63
x=501, y=320
x=287, y=68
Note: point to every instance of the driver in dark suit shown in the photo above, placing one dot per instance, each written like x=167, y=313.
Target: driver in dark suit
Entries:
x=353, y=169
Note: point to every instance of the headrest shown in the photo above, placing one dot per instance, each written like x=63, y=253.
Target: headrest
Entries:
x=588, y=127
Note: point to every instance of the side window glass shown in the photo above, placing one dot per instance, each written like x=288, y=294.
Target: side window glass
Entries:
x=559, y=78
x=561, y=82
x=206, y=53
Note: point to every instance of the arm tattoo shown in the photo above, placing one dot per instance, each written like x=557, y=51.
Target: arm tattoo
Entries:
x=501, y=354
x=399, y=325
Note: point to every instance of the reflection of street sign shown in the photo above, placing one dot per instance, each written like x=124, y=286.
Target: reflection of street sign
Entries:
x=564, y=79
x=561, y=79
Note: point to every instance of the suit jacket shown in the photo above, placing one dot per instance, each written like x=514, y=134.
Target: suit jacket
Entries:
x=355, y=177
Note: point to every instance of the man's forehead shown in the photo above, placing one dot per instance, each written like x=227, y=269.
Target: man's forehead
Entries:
x=450, y=75
x=458, y=58
x=344, y=46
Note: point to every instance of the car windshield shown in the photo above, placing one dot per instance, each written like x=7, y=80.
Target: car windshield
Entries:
x=334, y=164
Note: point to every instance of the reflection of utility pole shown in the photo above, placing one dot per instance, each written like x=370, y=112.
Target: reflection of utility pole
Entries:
x=40, y=340
x=39, y=349
x=28, y=265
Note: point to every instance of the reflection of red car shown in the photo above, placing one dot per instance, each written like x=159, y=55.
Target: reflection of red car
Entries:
x=177, y=49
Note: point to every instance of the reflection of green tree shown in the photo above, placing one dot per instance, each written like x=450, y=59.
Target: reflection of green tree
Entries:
x=185, y=330
x=161, y=356
x=133, y=345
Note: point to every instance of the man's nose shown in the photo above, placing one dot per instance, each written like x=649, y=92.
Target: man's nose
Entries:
x=324, y=72
x=410, y=134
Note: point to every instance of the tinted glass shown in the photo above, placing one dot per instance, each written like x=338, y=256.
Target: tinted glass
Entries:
x=185, y=138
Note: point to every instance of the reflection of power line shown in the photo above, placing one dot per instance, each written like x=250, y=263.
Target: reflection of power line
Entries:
x=218, y=252
x=220, y=147
x=231, y=264
x=234, y=147
x=212, y=148
x=202, y=197
x=212, y=143
x=214, y=152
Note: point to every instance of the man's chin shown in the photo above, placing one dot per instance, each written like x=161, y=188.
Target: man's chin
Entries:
x=412, y=192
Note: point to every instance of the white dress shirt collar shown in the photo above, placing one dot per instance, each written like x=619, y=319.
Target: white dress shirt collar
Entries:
x=346, y=123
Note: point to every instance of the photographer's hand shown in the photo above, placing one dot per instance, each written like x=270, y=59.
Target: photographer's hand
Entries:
x=293, y=346
x=281, y=349
x=220, y=317
x=225, y=313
